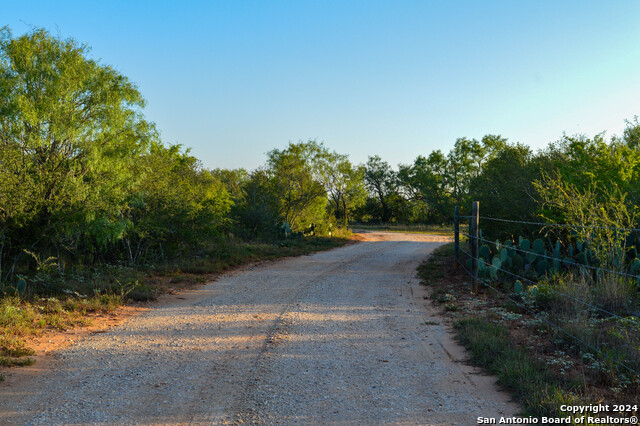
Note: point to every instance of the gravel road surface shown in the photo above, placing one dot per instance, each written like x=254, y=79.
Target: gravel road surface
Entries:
x=338, y=337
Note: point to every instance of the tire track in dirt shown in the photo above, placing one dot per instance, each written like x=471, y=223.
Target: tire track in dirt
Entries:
x=331, y=338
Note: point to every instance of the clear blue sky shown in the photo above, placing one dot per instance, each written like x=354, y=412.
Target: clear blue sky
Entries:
x=235, y=79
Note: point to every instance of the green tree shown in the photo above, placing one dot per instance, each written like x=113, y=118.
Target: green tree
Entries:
x=344, y=184
x=596, y=164
x=234, y=181
x=424, y=183
x=70, y=129
x=465, y=162
x=178, y=205
x=297, y=184
x=505, y=190
x=382, y=183
x=258, y=213
x=631, y=136
x=602, y=216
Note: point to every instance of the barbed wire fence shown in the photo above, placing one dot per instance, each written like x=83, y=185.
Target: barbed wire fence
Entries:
x=477, y=262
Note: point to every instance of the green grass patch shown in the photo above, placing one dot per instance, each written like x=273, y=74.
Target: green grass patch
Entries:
x=21, y=319
x=8, y=361
x=432, y=269
x=228, y=256
x=445, y=230
x=529, y=380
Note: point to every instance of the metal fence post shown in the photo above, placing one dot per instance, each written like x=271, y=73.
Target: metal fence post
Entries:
x=456, y=238
x=475, y=219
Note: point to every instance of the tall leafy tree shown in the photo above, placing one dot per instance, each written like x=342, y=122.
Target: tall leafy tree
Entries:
x=297, y=183
x=505, y=189
x=177, y=206
x=424, y=182
x=257, y=213
x=381, y=181
x=465, y=162
x=344, y=184
x=70, y=128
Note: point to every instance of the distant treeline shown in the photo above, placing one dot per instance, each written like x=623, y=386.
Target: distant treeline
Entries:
x=85, y=179
x=577, y=180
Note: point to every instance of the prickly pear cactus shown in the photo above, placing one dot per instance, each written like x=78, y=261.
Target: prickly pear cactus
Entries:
x=504, y=255
x=484, y=252
x=535, y=260
x=582, y=258
x=286, y=229
x=517, y=287
x=493, y=272
x=556, y=250
x=538, y=246
x=541, y=267
x=518, y=262
x=21, y=286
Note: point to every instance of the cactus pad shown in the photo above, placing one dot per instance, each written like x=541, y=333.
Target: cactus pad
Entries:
x=517, y=287
x=518, y=262
x=21, y=286
x=496, y=262
x=538, y=246
x=485, y=252
x=541, y=267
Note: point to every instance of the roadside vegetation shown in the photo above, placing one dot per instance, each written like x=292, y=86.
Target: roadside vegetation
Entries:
x=101, y=289
x=416, y=228
x=96, y=210
x=541, y=368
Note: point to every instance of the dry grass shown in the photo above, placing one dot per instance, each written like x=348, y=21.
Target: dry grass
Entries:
x=23, y=319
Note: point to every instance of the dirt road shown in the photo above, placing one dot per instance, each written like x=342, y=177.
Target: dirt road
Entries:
x=336, y=337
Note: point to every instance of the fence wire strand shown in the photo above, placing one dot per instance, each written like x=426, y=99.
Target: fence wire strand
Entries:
x=565, y=262
x=464, y=267
x=557, y=327
x=545, y=320
x=536, y=283
x=561, y=225
x=636, y=277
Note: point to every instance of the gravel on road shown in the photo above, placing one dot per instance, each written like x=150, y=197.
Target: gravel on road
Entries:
x=338, y=337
